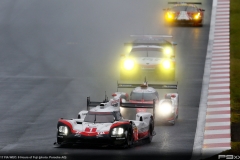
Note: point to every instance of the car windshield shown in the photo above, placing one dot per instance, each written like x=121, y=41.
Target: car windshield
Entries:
x=143, y=96
x=179, y=8
x=191, y=9
x=146, y=52
x=99, y=118
x=184, y=8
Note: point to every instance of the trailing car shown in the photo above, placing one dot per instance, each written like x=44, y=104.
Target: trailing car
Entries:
x=166, y=108
x=149, y=56
x=184, y=12
x=103, y=124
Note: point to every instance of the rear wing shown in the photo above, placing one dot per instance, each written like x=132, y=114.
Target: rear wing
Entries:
x=139, y=105
x=155, y=86
x=94, y=104
x=159, y=40
x=185, y=3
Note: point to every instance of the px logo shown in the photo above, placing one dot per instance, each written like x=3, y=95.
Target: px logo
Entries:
x=228, y=157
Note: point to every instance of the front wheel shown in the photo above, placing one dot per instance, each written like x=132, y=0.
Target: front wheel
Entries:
x=150, y=132
x=129, y=138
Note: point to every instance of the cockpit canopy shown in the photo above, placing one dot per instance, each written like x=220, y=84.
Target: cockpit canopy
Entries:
x=103, y=117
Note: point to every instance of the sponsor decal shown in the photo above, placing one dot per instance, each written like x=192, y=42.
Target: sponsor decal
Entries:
x=228, y=157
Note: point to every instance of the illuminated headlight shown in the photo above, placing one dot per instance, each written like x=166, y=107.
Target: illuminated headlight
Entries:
x=117, y=131
x=166, y=64
x=128, y=64
x=169, y=15
x=63, y=130
x=167, y=51
x=197, y=16
x=165, y=109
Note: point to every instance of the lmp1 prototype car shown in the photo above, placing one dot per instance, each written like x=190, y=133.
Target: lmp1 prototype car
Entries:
x=166, y=108
x=184, y=12
x=103, y=125
x=150, y=56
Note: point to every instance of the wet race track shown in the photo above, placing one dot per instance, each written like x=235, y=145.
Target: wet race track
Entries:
x=56, y=53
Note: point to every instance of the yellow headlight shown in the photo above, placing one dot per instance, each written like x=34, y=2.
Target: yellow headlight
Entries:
x=167, y=50
x=128, y=64
x=166, y=64
x=169, y=15
x=197, y=16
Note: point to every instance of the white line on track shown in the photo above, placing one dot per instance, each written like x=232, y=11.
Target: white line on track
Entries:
x=220, y=80
x=220, y=62
x=221, y=34
x=220, y=51
x=218, y=109
x=217, y=47
x=222, y=20
x=221, y=66
x=223, y=6
x=217, y=140
x=220, y=44
x=221, y=58
x=218, y=116
x=217, y=27
x=225, y=2
x=218, y=90
x=220, y=54
x=217, y=41
x=219, y=96
x=223, y=13
x=222, y=37
x=219, y=75
x=217, y=124
x=222, y=131
x=218, y=102
x=221, y=30
x=222, y=17
x=219, y=23
x=220, y=70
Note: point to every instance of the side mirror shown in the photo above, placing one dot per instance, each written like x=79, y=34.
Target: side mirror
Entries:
x=174, y=43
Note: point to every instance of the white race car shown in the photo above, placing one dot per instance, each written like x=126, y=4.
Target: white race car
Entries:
x=166, y=108
x=150, y=55
x=103, y=124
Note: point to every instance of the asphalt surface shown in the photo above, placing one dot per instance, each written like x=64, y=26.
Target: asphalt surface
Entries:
x=56, y=53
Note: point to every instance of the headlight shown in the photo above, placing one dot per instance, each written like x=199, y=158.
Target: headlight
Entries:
x=63, y=130
x=128, y=64
x=166, y=64
x=169, y=15
x=167, y=51
x=117, y=131
x=165, y=109
x=197, y=16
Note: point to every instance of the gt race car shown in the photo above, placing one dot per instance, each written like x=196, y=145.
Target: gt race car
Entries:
x=166, y=108
x=103, y=125
x=185, y=13
x=150, y=56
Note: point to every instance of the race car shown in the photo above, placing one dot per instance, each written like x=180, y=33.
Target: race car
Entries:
x=150, y=56
x=104, y=125
x=184, y=12
x=166, y=108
